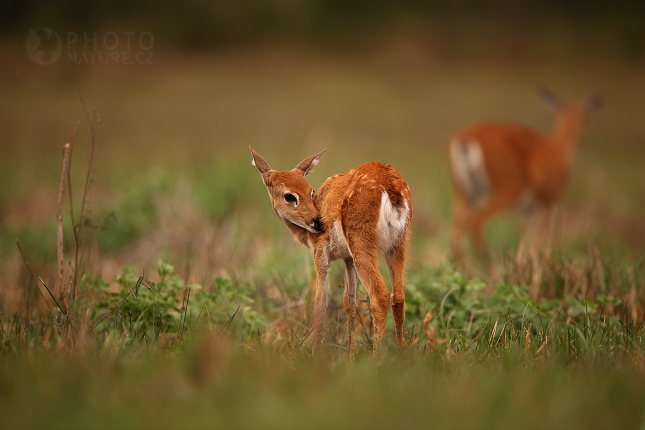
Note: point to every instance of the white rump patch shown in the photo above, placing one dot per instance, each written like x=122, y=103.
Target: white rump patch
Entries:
x=391, y=223
x=467, y=160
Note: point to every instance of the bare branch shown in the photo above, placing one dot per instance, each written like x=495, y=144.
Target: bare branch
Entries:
x=32, y=275
x=59, y=226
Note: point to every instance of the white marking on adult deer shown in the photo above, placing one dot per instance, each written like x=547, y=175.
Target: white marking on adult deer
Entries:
x=467, y=160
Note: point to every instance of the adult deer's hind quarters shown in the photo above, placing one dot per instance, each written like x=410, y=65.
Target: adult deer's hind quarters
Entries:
x=498, y=166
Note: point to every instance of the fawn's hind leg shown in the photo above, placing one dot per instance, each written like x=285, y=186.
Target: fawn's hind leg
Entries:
x=396, y=263
x=367, y=268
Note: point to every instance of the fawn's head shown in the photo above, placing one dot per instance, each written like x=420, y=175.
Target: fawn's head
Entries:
x=291, y=195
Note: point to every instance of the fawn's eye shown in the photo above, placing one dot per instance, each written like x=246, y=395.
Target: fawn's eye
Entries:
x=290, y=198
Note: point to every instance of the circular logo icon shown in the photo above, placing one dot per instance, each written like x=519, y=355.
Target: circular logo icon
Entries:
x=44, y=46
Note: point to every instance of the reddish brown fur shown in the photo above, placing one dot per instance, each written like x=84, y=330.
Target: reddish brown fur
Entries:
x=354, y=229
x=518, y=162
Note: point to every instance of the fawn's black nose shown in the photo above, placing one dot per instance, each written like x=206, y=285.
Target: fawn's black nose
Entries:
x=318, y=224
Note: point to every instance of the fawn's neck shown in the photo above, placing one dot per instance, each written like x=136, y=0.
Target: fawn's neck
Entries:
x=301, y=234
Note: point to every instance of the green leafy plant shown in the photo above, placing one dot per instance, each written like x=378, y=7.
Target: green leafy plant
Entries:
x=461, y=306
x=143, y=309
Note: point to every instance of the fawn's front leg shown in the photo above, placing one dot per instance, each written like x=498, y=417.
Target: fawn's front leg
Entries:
x=349, y=301
x=321, y=263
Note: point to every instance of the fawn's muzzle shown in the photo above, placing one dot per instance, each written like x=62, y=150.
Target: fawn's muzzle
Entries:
x=318, y=224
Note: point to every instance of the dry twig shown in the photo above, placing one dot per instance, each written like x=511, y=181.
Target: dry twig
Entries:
x=32, y=275
x=59, y=235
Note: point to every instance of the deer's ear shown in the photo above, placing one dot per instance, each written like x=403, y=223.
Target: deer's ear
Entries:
x=593, y=103
x=308, y=164
x=548, y=97
x=261, y=164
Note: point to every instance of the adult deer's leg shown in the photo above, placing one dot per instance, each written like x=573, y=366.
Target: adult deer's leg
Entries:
x=497, y=201
x=535, y=233
x=459, y=218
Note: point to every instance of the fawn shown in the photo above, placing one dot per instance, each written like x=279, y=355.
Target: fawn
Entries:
x=351, y=217
x=498, y=166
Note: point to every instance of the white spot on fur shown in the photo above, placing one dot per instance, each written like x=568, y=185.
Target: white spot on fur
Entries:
x=338, y=247
x=392, y=222
x=285, y=217
x=467, y=160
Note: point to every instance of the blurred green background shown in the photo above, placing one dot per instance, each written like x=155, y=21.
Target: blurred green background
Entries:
x=172, y=182
x=387, y=81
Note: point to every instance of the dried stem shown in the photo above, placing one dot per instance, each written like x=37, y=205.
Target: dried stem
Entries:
x=55, y=301
x=71, y=208
x=32, y=275
x=94, y=122
x=93, y=125
x=59, y=235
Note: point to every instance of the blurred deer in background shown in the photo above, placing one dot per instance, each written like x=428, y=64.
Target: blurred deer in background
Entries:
x=352, y=217
x=498, y=166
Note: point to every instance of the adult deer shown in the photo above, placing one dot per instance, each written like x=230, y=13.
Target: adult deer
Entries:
x=352, y=217
x=498, y=166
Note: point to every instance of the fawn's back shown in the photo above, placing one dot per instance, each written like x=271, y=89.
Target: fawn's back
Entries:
x=372, y=200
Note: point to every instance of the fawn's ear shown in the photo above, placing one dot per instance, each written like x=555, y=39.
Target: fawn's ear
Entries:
x=261, y=164
x=307, y=165
x=548, y=97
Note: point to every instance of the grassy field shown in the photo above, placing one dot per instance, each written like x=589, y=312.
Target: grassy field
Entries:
x=218, y=333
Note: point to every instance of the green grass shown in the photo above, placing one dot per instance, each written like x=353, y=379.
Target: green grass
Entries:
x=265, y=392
x=173, y=166
x=483, y=361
